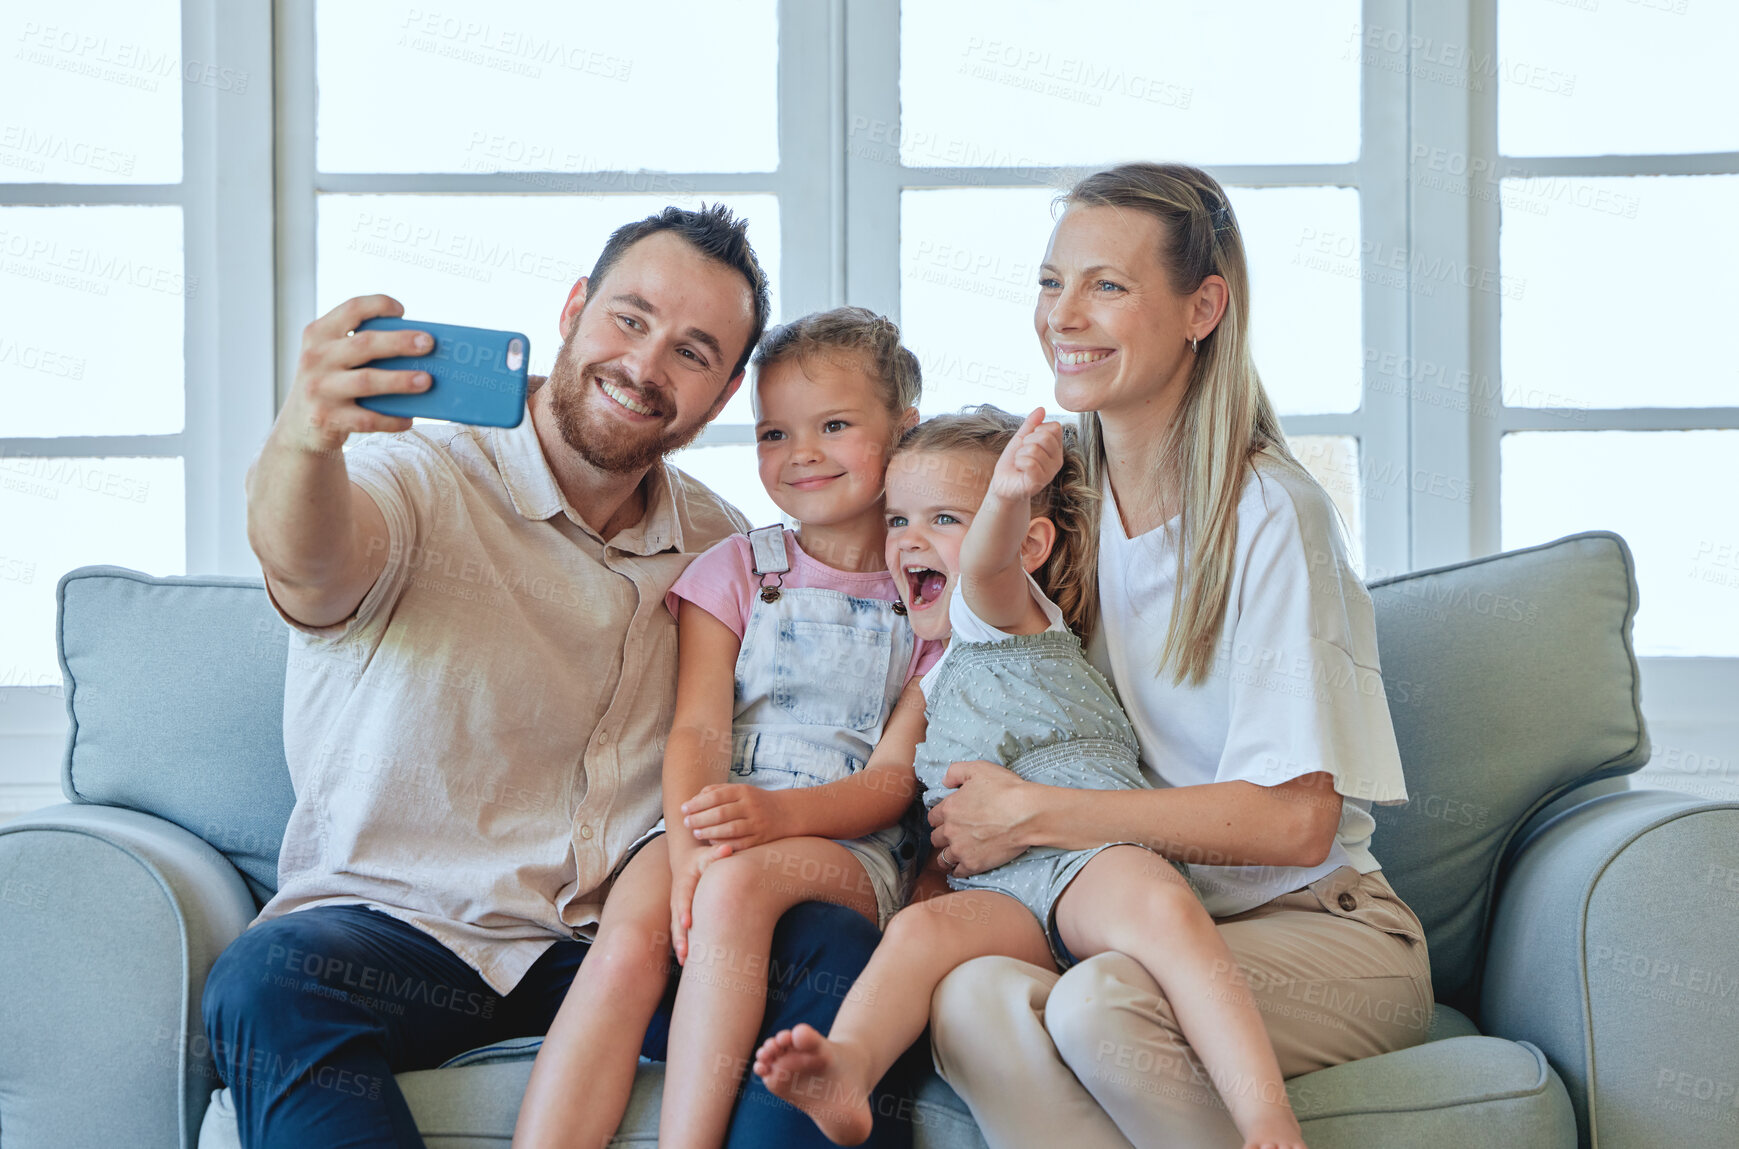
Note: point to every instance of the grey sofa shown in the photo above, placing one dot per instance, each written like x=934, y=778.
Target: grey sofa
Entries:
x=1583, y=934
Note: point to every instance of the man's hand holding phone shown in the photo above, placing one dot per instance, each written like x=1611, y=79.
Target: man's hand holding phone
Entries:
x=333, y=371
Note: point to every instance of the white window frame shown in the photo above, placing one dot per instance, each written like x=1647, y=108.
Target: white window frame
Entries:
x=809, y=182
x=1687, y=701
x=225, y=196
x=873, y=229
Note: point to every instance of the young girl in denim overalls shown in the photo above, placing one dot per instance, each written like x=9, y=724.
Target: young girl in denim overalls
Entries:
x=793, y=652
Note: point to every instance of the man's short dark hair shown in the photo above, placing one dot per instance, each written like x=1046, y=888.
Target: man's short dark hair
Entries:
x=714, y=232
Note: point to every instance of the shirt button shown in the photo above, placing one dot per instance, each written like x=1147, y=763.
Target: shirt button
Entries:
x=1348, y=902
x=603, y=738
x=586, y=832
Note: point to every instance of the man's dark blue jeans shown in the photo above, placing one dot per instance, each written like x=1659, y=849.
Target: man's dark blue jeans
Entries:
x=310, y=1015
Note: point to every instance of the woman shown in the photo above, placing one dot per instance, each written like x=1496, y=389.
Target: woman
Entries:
x=1243, y=647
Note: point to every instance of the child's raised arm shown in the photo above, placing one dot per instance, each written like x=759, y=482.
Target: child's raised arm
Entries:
x=992, y=575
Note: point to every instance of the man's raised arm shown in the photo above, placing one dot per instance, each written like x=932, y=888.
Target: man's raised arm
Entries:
x=321, y=539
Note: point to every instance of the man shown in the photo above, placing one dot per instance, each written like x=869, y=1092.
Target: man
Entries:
x=481, y=678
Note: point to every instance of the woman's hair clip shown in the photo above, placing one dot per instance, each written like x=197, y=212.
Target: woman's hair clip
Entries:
x=1222, y=217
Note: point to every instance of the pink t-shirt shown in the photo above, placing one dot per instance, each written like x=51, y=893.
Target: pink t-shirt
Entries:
x=723, y=583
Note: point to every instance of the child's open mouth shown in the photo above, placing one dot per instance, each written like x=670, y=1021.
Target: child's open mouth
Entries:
x=924, y=586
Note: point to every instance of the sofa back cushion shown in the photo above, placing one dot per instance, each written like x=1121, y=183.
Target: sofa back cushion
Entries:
x=1511, y=680
x=175, y=695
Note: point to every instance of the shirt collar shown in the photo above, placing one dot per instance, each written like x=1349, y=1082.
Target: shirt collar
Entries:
x=536, y=495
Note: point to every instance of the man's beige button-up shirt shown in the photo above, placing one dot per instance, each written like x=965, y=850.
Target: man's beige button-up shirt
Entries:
x=479, y=747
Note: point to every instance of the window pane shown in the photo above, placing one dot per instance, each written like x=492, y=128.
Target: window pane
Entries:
x=488, y=261
x=969, y=259
x=1333, y=460
x=1638, y=78
x=91, y=321
x=548, y=85
x=1019, y=83
x=969, y=271
x=1656, y=488
x=1581, y=257
x=65, y=513
x=1306, y=322
x=92, y=91
x=730, y=470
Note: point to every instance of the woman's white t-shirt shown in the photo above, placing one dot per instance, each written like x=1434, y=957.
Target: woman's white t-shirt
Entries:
x=1294, y=687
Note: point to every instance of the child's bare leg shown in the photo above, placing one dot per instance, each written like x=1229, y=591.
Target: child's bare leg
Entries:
x=722, y=996
x=1132, y=901
x=830, y=1077
x=580, y=1082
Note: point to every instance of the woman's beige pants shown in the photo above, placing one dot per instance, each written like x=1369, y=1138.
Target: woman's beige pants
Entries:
x=1093, y=1058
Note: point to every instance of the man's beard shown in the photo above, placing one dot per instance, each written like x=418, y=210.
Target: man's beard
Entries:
x=605, y=443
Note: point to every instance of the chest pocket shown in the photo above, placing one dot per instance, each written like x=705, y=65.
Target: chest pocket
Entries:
x=830, y=674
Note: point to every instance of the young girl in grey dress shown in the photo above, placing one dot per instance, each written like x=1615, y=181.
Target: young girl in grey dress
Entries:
x=975, y=503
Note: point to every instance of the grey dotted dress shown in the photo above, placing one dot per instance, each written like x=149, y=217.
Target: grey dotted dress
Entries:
x=1031, y=703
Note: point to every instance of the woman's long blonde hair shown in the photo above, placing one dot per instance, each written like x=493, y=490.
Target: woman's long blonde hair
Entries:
x=1225, y=418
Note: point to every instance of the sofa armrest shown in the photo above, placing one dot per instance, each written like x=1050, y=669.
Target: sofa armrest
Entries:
x=1615, y=949
x=109, y=922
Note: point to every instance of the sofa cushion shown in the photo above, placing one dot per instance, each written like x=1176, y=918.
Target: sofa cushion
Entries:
x=472, y=1103
x=1472, y=1091
x=175, y=700
x=1511, y=679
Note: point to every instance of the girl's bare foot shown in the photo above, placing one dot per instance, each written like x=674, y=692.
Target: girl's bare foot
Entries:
x=823, y=1078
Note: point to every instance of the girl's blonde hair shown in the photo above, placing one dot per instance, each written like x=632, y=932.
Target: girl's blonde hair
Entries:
x=1070, y=501
x=875, y=339
x=1225, y=419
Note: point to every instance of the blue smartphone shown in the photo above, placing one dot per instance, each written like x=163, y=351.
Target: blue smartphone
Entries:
x=476, y=375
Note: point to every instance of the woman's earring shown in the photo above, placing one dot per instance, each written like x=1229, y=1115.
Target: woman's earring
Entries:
x=1192, y=345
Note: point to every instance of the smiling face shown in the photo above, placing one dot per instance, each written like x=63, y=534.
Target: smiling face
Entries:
x=1112, y=325
x=931, y=500
x=822, y=437
x=648, y=353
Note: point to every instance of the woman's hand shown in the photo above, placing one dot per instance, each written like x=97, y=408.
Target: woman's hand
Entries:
x=736, y=815
x=979, y=824
x=687, y=863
